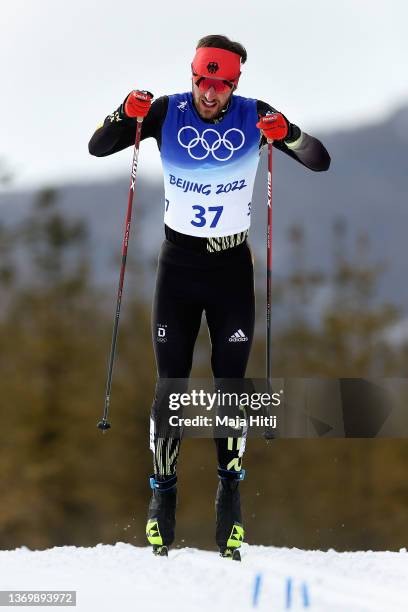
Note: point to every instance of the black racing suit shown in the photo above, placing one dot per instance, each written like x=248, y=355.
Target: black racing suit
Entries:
x=196, y=275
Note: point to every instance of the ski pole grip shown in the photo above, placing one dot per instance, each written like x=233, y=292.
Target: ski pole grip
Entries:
x=146, y=96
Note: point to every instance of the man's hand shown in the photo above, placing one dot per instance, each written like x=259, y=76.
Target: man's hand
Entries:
x=138, y=103
x=273, y=126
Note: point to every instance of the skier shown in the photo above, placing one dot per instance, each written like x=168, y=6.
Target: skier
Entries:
x=209, y=140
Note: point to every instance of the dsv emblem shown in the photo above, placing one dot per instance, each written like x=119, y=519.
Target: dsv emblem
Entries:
x=212, y=67
x=200, y=147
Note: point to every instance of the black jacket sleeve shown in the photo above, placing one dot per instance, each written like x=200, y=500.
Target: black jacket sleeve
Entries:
x=118, y=131
x=302, y=147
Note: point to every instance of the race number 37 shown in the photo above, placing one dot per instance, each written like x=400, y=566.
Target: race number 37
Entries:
x=210, y=215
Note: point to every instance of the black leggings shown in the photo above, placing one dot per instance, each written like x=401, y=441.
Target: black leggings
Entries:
x=222, y=285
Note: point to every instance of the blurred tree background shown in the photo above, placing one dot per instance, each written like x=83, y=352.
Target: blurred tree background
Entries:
x=64, y=483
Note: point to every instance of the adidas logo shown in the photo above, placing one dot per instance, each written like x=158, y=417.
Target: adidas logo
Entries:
x=239, y=336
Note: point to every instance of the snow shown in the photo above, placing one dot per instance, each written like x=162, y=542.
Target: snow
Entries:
x=130, y=579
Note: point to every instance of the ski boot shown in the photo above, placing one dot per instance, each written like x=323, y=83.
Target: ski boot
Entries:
x=161, y=518
x=229, y=529
x=231, y=553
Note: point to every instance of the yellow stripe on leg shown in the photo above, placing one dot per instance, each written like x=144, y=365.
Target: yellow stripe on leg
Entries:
x=153, y=533
x=236, y=536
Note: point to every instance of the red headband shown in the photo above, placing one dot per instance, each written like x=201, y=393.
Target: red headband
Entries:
x=217, y=64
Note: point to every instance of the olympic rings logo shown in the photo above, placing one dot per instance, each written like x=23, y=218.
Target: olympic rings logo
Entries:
x=209, y=147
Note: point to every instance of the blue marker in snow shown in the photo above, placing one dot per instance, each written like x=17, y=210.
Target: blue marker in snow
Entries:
x=257, y=590
x=289, y=590
x=305, y=594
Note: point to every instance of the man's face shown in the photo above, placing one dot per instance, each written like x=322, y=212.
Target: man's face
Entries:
x=208, y=101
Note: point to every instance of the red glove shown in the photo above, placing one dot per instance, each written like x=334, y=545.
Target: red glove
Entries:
x=138, y=103
x=274, y=126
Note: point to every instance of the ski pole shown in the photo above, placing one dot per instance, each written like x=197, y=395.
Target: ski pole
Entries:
x=103, y=423
x=269, y=267
x=269, y=432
